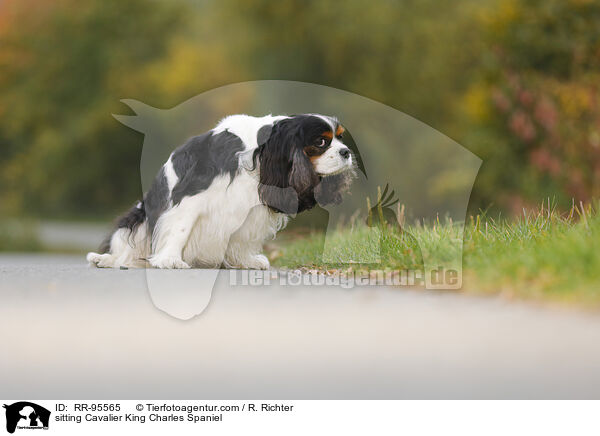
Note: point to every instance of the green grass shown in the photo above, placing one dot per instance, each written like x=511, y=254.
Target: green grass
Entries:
x=540, y=255
x=544, y=254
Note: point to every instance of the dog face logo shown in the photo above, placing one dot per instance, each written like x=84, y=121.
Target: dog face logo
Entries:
x=26, y=415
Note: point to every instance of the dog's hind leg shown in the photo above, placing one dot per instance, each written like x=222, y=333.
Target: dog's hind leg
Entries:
x=128, y=249
x=105, y=260
x=128, y=245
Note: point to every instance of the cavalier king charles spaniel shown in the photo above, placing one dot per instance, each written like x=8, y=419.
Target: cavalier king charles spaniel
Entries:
x=220, y=195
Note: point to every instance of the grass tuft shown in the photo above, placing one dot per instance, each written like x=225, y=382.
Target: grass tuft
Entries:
x=541, y=254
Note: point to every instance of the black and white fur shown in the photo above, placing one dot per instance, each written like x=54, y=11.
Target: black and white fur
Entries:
x=223, y=193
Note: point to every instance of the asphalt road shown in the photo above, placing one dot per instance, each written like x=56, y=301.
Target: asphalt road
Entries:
x=70, y=331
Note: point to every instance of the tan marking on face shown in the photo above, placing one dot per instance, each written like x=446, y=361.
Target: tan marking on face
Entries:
x=327, y=134
x=340, y=130
x=315, y=159
x=311, y=150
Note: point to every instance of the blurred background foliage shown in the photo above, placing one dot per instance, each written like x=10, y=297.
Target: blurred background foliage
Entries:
x=514, y=81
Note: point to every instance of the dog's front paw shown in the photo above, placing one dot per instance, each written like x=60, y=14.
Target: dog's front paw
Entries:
x=259, y=261
x=168, y=262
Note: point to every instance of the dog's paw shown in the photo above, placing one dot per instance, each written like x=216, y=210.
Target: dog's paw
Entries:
x=259, y=261
x=105, y=260
x=168, y=262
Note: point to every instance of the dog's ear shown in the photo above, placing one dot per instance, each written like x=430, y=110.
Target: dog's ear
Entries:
x=284, y=200
x=303, y=179
x=331, y=188
x=276, y=159
x=302, y=174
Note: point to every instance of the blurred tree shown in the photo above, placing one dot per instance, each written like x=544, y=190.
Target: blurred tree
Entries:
x=413, y=55
x=513, y=80
x=64, y=66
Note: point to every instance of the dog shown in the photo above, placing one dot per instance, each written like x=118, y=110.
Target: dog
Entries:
x=220, y=195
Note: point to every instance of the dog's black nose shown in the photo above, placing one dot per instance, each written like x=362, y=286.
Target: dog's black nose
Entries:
x=345, y=153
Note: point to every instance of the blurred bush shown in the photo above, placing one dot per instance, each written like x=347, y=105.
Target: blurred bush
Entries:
x=534, y=111
x=514, y=81
x=64, y=66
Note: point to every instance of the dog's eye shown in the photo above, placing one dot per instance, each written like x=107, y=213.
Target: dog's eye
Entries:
x=322, y=142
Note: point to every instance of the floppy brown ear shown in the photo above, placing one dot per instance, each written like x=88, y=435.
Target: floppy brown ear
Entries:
x=302, y=174
x=284, y=200
x=273, y=159
x=331, y=188
x=287, y=178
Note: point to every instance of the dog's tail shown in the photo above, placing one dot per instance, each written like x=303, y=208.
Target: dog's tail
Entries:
x=130, y=220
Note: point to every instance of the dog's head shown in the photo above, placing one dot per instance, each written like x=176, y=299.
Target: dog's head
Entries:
x=305, y=153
